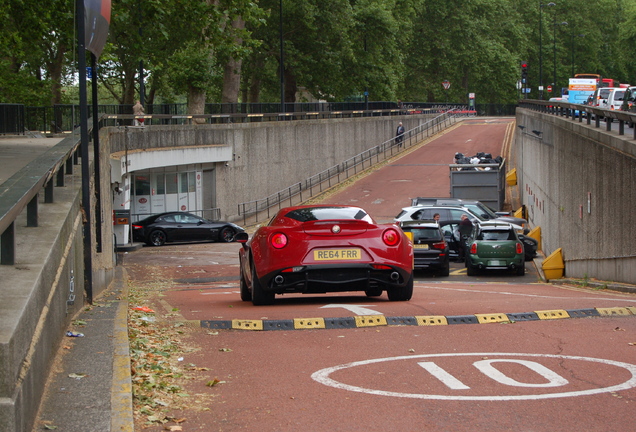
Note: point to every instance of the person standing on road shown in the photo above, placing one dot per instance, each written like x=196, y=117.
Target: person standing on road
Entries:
x=399, y=134
x=138, y=110
x=464, y=229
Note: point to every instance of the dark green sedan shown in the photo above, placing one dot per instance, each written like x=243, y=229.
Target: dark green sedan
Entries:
x=494, y=246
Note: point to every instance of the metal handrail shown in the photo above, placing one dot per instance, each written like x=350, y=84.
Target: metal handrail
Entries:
x=21, y=190
x=575, y=111
x=165, y=119
x=380, y=153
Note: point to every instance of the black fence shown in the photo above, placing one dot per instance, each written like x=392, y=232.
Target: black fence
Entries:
x=18, y=119
x=11, y=119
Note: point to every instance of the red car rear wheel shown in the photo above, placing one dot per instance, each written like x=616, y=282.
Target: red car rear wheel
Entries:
x=260, y=297
x=403, y=293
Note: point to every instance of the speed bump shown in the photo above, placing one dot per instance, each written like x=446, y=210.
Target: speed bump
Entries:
x=614, y=311
x=370, y=320
x=423, y=320
x=492, y=318
x=247, y=324
x=431, y=320
x=309, y=323
x=552, y=314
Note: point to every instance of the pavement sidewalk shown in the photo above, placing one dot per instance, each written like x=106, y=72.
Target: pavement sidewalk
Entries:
x=89, y=387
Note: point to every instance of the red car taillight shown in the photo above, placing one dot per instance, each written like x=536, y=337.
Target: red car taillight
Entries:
x=391, y=237
x=473, y=248
x=440, y=245
x=278, y=241
x=137, y=227
x=519, y=248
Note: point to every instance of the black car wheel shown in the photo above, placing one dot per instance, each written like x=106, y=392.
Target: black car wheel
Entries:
x=373, y=292
x=471, y=270
x=521, y=270
x=226, y=235
x=260, y=297
x=445, y=271
x=402, y=293
x=157, y=238
x=246, y=295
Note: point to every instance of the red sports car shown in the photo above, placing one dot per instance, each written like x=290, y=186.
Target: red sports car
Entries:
x=325, y=248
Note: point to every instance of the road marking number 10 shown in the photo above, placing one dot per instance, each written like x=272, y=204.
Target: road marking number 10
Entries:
x=486, y=367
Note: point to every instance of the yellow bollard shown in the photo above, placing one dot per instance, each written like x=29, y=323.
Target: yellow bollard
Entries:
x=511, y=177
x=553, y=266
x=535, y=233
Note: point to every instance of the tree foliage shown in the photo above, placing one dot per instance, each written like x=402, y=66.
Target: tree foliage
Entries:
x=334, y=50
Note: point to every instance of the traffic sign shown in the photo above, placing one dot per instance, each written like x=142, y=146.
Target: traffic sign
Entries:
x=446, y=84
x=549, y=89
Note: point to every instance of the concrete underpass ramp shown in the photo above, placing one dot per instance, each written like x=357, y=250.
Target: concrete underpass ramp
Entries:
x=17, y=151
x=422, y=171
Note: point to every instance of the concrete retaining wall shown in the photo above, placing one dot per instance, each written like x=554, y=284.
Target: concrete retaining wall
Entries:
x=44, y=290
x=577, y=182
x=269, y=156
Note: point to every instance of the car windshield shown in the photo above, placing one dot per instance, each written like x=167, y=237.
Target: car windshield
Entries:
x=328, y=213
x=483, y=211
x=425, y=234
x=496, y=235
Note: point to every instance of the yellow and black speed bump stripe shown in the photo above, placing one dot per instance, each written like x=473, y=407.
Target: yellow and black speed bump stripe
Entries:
x=462, y=319
x=431, y=320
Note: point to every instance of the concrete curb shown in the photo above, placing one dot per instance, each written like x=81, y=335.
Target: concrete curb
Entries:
x=121, y=391
x=90, y=386
x=584, y=283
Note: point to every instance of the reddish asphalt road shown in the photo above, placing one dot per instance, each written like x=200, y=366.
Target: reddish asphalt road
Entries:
x=527, y=375
x=424, y=171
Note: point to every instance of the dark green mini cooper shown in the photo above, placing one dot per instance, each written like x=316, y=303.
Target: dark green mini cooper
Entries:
x=494, y=246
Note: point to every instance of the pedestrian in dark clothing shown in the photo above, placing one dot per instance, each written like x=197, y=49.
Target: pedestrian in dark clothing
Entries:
x=464, y=229
x=399, y=135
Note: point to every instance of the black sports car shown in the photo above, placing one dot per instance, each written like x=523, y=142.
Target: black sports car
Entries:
x=162, y=228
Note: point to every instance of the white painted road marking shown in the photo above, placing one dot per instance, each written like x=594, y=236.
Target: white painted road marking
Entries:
x=450, y=381
x=356, y=309
x=323, y=376
x=475, y=290
x=486, y=367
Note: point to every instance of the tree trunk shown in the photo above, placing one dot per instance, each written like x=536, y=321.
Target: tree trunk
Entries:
x=196, y=103
x=254, y=86
x=290, y=86
x=232, y=73
x=55, y=72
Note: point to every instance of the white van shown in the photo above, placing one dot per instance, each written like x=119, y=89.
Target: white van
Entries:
x=602, y=96
x=615, y=98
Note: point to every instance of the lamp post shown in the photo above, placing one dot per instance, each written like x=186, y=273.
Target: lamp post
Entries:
x=554, y=40
x=541, y=5
x=282, y=58
x=581, y=35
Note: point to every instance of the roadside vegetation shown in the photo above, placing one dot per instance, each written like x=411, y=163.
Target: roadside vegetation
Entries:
x=335, y=50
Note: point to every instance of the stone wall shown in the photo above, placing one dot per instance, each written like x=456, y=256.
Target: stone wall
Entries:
x=577, y=182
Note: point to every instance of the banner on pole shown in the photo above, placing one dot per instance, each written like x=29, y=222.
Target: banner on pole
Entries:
x=97, y=15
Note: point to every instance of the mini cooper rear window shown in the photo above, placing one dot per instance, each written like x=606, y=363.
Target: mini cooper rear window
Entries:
x=328, y=213
x=496, y=235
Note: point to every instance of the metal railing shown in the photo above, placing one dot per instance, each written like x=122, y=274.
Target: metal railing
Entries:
x=579, y=112
x=21, y=191
x=341, y=172
x=63, y=118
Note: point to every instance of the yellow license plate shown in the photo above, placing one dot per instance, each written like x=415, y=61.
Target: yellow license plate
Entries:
x=337, y=254
x=420, y=246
